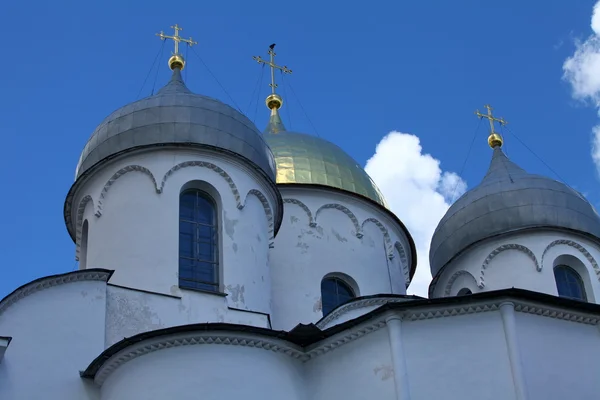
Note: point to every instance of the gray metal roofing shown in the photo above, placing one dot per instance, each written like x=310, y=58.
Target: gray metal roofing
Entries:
x=509, y=199
x=177, y=116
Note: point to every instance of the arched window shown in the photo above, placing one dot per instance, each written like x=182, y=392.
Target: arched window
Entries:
x=464, y=291
x=198, y=240
x=569, y=283
x=334, y=292
x=83, y=245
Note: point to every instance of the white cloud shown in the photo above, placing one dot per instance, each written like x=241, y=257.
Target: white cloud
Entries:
x=417, y=191
x=582, y=71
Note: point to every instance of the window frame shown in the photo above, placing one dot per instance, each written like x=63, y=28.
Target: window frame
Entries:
x=194, y=262
x=569, y=272
x=340, y=283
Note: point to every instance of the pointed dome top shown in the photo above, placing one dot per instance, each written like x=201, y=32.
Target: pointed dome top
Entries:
x=509, y=199
x=176, y=116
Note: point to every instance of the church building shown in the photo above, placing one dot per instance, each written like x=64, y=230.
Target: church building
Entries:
x=218, y=262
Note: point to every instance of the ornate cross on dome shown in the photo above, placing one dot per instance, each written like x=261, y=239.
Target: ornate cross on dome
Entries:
x=494, y=140
x=176, y=61
x=273, y=66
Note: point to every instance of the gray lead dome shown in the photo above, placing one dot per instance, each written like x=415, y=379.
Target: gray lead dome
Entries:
x=176, y=116
x=508, y=200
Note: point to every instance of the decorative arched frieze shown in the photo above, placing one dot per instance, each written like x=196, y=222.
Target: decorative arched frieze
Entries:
x=119, y=174
x=211, y=166
x=346, y=211
x=311, y=221
x=386, y=235
x=354, y=305
x=79, y=223
x=267, y=207
x=500, y=249
x=577, y=246
x=404, y=261
x=453, y=279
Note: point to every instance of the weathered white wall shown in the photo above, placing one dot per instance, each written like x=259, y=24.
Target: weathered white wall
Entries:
x=462, y=357
x=129, y=312
x=137, y=232
x=208, y=372
x=303, y=254
x=561, y=359
x=358, y=370
x=516, y=267
x=56, y=333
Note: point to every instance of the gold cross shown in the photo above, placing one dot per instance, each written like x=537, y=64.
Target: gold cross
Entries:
x=273, y=66
x=176, y=38
x=491, y=118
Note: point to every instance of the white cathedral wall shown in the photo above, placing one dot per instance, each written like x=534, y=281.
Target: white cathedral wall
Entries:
x=133, y=229
x=359, y=370
x=462, y=357
x=56, y=333
x=207, y=372
x=561, y=359
x=129, y=312
x=522, y=260
x=318, y=237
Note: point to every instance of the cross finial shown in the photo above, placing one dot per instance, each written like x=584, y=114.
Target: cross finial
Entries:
x=494, y=140
x=274, y=100
x=176, y=60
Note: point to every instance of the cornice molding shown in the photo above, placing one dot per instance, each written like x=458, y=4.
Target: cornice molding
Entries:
x=577, y=246
x=500, y=249
x=353, y=305
x=195, y=338
x=52, y=281
x=231, y=338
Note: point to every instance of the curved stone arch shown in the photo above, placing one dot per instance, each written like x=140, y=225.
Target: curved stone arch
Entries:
x=267, y=207
x=79, y=223
x=500, y=249
x=453, y=279
x=211, y=166
x=119, y=174
x=311, y=220
x=577, y=246
x=346, y=211
x=404, y=261
x=386, y=235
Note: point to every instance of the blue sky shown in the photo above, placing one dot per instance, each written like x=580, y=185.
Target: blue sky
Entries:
x=359, y=72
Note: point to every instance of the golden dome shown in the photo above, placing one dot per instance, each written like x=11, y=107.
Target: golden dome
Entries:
x=307, y=159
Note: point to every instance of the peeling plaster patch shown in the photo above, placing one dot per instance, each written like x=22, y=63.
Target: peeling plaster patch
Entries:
x=128, y=316
x=84, y=293
x=303, y=246
x=318, y=305
x=293, y=219
x=235, y=247
x=258, y=238
x=319, y=229
x=384, y=371
x=175, y=289
x=229, y=225
x=338, y=236
x=237, y=293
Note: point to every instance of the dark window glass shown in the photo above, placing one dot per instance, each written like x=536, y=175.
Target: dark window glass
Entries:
x=198, y=236
x=464, y=291
x=569, y=283
x=334, y=292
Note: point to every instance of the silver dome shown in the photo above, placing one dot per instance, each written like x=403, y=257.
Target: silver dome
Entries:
x=176, y=116
x=507, y=200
